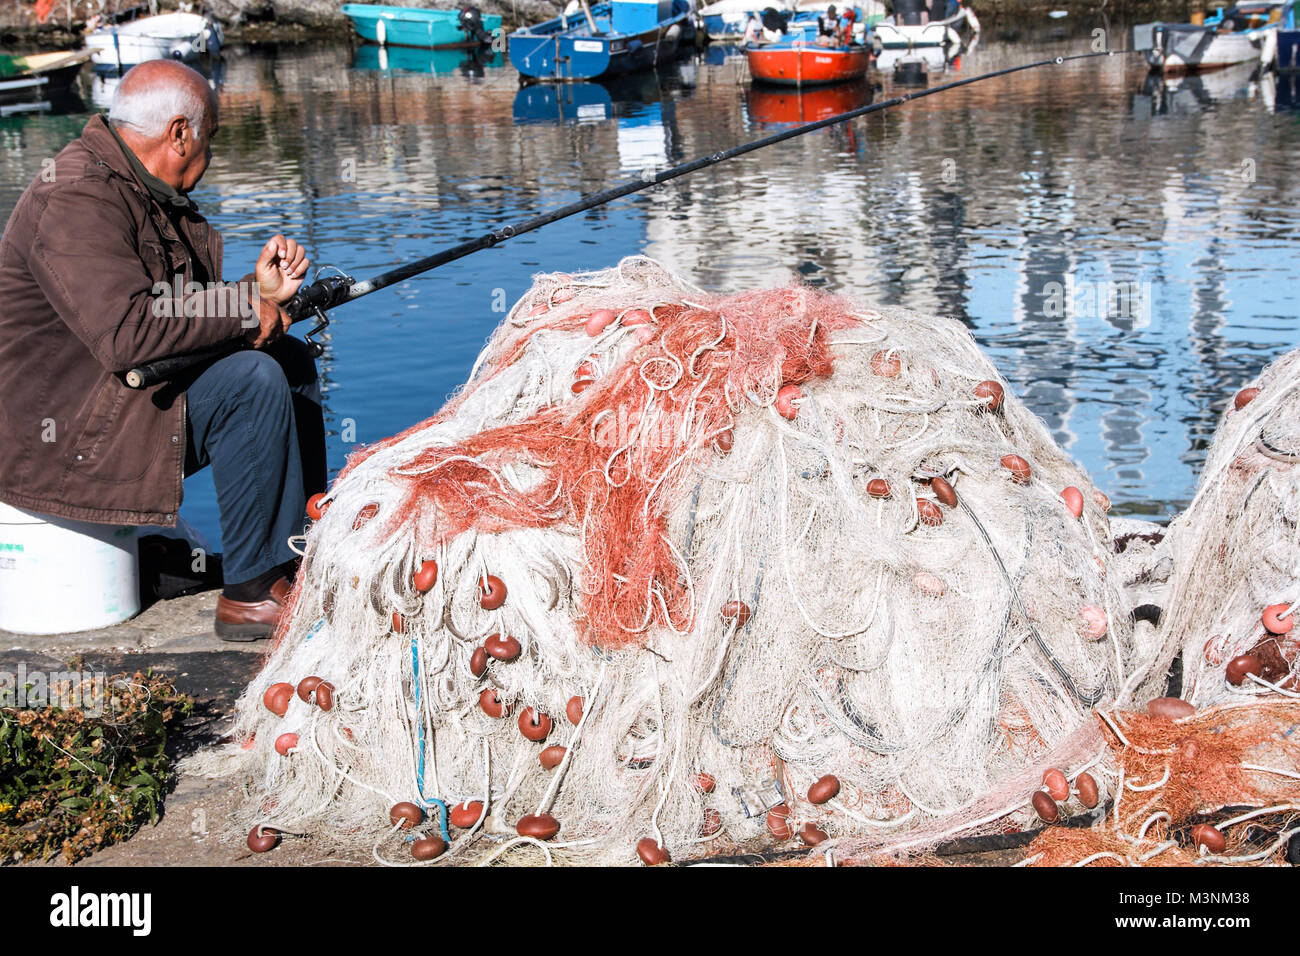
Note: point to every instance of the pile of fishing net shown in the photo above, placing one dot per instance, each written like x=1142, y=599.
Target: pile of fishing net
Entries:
x=676, y=574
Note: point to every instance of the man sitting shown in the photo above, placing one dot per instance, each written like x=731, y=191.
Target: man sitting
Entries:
x=105, y=264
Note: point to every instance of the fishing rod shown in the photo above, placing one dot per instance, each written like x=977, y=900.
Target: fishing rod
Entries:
x=315, y=300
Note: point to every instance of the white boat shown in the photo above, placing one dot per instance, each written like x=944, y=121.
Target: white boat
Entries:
x=169, y=36
x=1246, y=33
x=944, y=23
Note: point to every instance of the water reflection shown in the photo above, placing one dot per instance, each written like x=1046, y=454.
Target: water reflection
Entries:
x=1105, y=240
x=469, y=62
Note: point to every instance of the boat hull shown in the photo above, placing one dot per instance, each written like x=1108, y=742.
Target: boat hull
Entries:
x=561, y=56
x=949, y=33
x=413, y=27
x=773, y=106
x=170, y=36
x=1184, y=48
x=799, y=64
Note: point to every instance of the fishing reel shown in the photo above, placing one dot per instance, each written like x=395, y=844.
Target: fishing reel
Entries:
x=316, y=300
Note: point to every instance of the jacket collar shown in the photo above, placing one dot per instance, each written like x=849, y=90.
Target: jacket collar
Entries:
x=102, y=140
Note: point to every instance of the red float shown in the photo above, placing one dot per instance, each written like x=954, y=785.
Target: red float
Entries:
x=878, y=488
x=1244, y=398
x=552, y=757
x=826, y=788
x=406, y=814
x=426, y=577
x=573, y=710
x=534, y=725
x=490, y=702
x=539, y=826
x=651, y=853
x=502, y=648
x=315, y=511
x=886, y=364
x=465, y=815
x=737, y=611
x=492, y=592
x=1073, y=499
x=285, y=743
x=478, y=662
x=261, y=839
x=1045, y=806
x=428, y=848
x=307, y=686
x=1277, y=619
x=929, y=512
x=1057, y=787
x=992, y=393
x=786, y=396
x=778, y=822
x=943, y=491
x=277, y=698
x=1019, y=468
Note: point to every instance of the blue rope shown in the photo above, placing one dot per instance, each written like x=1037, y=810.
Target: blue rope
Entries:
x=425, y=802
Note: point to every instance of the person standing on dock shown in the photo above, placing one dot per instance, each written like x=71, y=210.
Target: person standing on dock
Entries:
x=106, y=264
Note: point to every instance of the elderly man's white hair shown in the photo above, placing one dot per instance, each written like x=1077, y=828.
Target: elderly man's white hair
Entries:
x=153, y=93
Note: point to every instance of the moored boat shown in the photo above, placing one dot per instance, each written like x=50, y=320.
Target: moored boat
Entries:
x=415, y=27
x=914, y=24
x=603, y=40
x=1245, y=33
x=29, y=82
x=801, y=63
x=168, y=36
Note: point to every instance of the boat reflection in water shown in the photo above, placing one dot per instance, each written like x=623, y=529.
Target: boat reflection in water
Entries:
x=567, y=103
x=641, y=108
x=775, y=106
x=1197, y=92
x=368, y=56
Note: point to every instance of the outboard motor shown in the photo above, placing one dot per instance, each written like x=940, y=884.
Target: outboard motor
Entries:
x=908, y=12
x=471, y=23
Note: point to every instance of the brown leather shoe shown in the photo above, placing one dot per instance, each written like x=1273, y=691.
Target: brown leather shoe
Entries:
x=251, y=620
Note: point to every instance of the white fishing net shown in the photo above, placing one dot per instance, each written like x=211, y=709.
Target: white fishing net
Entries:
x=1236, y=551
x=740, y=615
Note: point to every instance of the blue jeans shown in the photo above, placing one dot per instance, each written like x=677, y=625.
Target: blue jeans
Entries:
x=255, y=417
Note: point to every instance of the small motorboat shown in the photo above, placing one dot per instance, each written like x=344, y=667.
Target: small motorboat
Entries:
x=603, y=40
x=800, y=62
x=1245, y=33
x=416, y=27
x=168, y=36
x=29, y=83
x=946, y=24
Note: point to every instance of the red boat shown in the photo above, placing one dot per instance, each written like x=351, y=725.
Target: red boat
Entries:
x=799, y=63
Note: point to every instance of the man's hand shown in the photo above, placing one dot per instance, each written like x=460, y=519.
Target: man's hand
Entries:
x=273, y=322
x=280, y=269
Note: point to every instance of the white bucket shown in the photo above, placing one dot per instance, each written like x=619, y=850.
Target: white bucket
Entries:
x=59, y=576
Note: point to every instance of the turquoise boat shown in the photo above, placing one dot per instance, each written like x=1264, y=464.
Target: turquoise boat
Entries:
x=431, y=29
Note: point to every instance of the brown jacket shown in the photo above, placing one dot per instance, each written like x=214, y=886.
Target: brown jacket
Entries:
x=79, y=262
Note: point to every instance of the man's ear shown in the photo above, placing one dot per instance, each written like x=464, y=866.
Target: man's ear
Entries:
x=176, y=135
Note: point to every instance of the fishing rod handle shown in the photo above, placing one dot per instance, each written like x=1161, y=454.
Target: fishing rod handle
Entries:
x=152, y=373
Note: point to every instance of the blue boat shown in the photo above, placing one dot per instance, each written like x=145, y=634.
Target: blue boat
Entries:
x=617, y=37
x=431, y=29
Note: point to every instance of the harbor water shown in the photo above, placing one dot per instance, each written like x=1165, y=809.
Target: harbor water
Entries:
x=1125, y=249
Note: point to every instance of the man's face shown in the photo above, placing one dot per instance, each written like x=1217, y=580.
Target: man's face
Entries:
x=196, y=162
